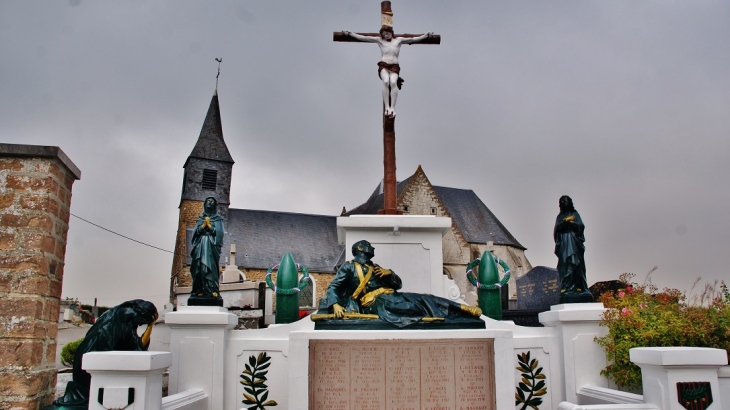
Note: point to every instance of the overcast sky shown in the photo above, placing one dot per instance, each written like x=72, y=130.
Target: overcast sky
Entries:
x=623, y=105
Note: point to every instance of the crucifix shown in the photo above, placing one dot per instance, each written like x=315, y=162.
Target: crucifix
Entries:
x=389, y=73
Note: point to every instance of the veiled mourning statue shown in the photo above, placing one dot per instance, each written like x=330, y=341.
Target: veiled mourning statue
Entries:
x=116, y=329
x=363, y=289
x=570, y=250
x=205, y=255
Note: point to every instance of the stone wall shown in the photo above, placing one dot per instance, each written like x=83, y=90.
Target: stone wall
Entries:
x=321, y=280
x=35, y=195
x=189, y=213
x=419, y=198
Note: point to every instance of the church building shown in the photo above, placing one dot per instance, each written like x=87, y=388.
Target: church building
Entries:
x=262, y=237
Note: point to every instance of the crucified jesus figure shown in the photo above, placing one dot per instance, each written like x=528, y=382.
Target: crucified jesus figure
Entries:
x=388, y=68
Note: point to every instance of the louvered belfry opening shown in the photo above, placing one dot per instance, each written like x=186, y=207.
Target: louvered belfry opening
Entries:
x=210, y=178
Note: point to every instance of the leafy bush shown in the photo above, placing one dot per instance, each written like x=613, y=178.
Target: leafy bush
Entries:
x=68, y=352
x=640, y=316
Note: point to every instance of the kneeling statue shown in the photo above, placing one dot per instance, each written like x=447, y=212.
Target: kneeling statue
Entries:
x=116, y=329
x=364, y=289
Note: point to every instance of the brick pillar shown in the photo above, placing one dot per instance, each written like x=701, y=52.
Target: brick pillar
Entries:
x=35, y=195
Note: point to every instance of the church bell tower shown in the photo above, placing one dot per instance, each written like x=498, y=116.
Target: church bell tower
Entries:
x=207, y=173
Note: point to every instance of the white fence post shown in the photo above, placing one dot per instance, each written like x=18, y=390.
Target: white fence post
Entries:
x=119, y=379
x=665, y=370
x=583, y=358
x=198, y=340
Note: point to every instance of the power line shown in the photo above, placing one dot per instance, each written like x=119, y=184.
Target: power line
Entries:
x=123, y=236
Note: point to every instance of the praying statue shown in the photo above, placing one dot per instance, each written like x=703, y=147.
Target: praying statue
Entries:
x=115, y=329
x=362, y=288
x=569, y=249
x=206, y=253
x=388, y=68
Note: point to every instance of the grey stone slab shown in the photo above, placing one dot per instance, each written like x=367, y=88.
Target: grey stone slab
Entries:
x=538, y=289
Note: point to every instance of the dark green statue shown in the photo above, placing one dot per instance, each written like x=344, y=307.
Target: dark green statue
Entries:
x=116, y=329
x=362, y=289
x=569, y=249
x=206, y=254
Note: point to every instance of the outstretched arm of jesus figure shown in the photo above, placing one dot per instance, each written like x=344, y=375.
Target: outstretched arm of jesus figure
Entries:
x=358, y=37
x=413, y=40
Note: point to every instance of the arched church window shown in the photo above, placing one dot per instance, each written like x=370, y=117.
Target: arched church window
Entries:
x=307, y=295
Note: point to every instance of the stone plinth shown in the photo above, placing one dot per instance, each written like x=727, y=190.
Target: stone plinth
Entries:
x=410, y=245
x=35, y=196
x=401, y=369
x=583, y=359
x=198, y=345
x=666, y=371
x=118, y=372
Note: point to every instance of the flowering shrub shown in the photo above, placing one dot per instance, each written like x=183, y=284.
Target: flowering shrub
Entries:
x=641, y=316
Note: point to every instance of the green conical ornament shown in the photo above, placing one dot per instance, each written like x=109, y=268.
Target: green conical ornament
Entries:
x=490, y=300
x=287, y=306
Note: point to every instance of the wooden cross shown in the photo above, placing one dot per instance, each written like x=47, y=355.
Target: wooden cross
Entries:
x=389, y=52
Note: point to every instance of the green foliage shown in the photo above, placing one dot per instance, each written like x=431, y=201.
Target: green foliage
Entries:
x=641, y=316
x=254, y=382
x=68, y=352
x=532, y=385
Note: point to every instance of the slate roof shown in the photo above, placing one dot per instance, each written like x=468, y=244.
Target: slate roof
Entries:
x=210, y=143
x=472, y=218
x=375, y=202
x=266, y=235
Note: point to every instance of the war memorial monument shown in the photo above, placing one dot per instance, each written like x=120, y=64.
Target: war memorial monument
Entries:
x=390, y=333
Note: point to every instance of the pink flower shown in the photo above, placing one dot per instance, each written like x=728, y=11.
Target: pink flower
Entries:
x=630, y=289
x=642, y=305
x=621, y=294
x=626, y=312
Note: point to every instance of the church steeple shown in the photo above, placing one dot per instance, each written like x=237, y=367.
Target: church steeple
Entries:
x=208, y=167
x=210, y=144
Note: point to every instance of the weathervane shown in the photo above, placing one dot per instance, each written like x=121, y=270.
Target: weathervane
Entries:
x=219, y=60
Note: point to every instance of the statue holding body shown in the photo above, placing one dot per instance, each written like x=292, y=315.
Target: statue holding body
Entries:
x=362, y=287
x=116, y=329
x=569, y=248
x=206, y=253
x=388, y=68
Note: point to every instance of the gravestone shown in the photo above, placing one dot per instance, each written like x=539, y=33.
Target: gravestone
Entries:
x=402, y=374
x=538, y=289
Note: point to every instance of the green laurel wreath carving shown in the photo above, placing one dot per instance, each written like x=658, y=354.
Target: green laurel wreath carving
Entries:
x=254, y=382
x=694, y=394
x=470, y=275
x=532, y=385
x=302, y=283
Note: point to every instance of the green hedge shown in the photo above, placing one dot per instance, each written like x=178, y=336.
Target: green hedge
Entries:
x=68, y=352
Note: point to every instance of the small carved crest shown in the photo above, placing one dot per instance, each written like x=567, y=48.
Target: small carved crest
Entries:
x=694, y=395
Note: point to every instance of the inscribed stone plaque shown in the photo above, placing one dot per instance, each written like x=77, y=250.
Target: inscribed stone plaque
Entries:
x=538, y=289
x=402, y=374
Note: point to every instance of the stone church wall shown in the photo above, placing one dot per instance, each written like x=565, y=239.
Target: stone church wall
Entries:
x=419, y=198
x=189, y=213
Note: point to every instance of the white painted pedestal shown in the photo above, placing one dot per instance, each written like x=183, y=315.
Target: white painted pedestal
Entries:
x=663, y=367
x=410, y=245
x=116, y=372
x=583, y=358
x=198, y=346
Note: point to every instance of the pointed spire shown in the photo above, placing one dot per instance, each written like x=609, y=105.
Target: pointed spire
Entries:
x=210, y=144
